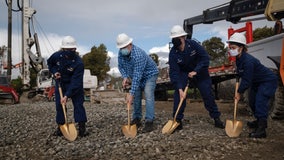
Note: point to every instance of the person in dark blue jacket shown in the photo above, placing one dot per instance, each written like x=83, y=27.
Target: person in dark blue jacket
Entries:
x=68, y=70
x=260, y=79
x=189, y=60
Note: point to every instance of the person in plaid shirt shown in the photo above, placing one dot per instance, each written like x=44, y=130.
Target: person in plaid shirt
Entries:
x=139, y=69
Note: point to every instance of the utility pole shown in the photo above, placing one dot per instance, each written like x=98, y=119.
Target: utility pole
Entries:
x=9, y=73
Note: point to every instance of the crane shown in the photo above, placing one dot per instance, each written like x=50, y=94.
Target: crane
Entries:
x=235, y=10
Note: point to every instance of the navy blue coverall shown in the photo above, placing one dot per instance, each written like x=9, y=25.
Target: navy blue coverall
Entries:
x=71, y=68
x=193, y=58
x=261, y=81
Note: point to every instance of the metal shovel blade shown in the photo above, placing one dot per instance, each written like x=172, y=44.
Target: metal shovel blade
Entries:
x=233, y=128
x=129, y=131
x=169, y=127
x=69, y=131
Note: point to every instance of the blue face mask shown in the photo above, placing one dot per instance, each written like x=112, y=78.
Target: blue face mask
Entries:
x=124, y=52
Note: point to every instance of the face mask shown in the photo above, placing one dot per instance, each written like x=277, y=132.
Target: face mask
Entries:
x=124, y=52
x=176, y=42
x=69, y=53
x=234, y=52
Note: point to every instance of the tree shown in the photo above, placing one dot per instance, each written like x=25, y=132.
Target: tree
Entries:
x=97, y=61
x=17, y=84
x=217, y=51
x=261, y=33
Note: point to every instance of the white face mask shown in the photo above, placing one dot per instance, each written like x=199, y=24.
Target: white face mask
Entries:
x=234, y=52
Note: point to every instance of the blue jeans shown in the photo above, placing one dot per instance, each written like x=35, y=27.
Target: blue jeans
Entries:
x=149, y=91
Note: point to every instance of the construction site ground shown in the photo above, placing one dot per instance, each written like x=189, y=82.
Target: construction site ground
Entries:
x=27, y=133
x=270, y=148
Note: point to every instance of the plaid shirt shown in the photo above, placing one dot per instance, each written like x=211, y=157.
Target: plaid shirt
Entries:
x=138, y=66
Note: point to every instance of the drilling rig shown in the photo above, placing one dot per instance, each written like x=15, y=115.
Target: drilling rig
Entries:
x=35, y=61
x=30, y=59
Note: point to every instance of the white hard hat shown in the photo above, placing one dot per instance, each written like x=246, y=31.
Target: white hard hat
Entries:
x=123, y=40
x=68, y=42
x=177, y=31
x=238, y=38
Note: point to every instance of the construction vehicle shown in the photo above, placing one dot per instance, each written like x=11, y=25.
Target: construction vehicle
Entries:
x=31, y=60
x=270, y=52
x=7, y=93
x=218, y=74
x=270, y=48
x=46, y=84
x=35, y=61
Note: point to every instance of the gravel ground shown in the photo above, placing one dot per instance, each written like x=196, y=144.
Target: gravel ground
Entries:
x=27, y=128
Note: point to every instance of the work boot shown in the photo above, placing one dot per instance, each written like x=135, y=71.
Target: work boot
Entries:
x=136, y=121
x=219, y=123
x=82, y=129
x=260, y=130
x=58, y=132
x=258, y=133
x=179, y=127
x=252, y=124
x=148, y=127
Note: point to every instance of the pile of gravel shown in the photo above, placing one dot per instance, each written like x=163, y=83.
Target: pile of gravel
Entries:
x=27, y=133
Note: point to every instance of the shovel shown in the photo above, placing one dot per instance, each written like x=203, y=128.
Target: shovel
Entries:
x=68, y=129
x=171, y=125
x=233, y=127
x=128, y=130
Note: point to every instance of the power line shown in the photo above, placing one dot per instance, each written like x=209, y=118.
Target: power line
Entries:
x=18, y=5
x=44, y=35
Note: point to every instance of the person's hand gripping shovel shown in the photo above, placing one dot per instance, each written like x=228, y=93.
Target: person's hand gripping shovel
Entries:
x=129, y=130
x=233, y=127
x=68, y=129
x=171, y=125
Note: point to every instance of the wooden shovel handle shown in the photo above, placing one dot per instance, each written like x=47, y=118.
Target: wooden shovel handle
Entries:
x=180, y=102
x=63, y=105
x=128, y=113
x=236, y=101
x=128, y=109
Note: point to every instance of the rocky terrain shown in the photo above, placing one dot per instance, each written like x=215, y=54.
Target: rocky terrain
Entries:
x=27, y=133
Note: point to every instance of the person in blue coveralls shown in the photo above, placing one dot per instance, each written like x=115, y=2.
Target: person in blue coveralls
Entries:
x=139, y=68
x=68, y=70
x=188, y=60
x=261, y=81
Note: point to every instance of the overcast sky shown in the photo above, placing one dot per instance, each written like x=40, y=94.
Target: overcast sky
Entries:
x=93, y=22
